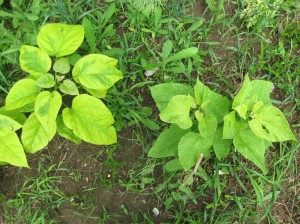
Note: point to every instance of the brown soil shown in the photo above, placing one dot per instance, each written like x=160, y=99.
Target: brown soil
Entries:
x=97, y=184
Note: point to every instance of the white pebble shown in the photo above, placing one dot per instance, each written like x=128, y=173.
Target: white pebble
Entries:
x=155, y=211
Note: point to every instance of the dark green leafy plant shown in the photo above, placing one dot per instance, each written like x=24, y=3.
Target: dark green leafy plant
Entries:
x=19, y=25
x=250, y=124
x=41, y=96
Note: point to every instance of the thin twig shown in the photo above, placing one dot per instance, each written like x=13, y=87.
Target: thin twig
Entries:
x=195, y=168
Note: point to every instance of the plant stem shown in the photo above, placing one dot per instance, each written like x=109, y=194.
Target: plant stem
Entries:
x=195, y=169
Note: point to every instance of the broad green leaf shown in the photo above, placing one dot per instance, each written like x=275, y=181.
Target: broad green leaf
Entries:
x=167, y=143
x=269, y=123
x=73, y=58
x=178, y=111
x=217, y=105
x=190, y=147
x=250, y=93
x=59, y=39
x=199, y=115
x=252, y=148
x=163, y=93
x=257, y=106
x=27, y=108
x=16, y=115
x=90, y=34
x=90, y=120
x=200, y=90
x=96, y=71
x=99, y=93
x=211, y=102
x=34, y=136
x=68, y=87
x=173, y=165
x=103, y=60
x=62, y=66
x=46, y=109
x=65, y=132
x=100, y=79
x=34, y=61
x=207, y=127
x=242, y=110
x=8, y=125
x=262, y=90
x=243, y=93
x=232, y=126
x=167, y=48
x=189, y=52
x=11, y=150
x=221, y=146
x=45, y=81
x=22, y=93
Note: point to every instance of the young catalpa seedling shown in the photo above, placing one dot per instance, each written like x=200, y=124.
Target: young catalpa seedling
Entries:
x=250, y=124
x=40, y=96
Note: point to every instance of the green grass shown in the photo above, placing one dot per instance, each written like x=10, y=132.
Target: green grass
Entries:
x=228, y=50
x=36, y=199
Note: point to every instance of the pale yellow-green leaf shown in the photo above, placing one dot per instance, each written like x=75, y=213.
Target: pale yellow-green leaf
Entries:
x=34, y=136
x=66, y=132
x=69, y=87
x=90, y=120
x=34, y=61
x=59, y=39
x=46, y=109
x=45, y=81
x=269, y=123
x=22, y=93
x=8, y=125
x=96, y=71
x=178, y=111
x=11, y=150
x=62, y=66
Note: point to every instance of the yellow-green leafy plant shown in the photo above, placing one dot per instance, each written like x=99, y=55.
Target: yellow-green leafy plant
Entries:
x=35, y=103
x=147, y=6
x=203, y=121
x=253, y=10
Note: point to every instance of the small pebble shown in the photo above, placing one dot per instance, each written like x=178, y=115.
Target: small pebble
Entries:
x=155, y=211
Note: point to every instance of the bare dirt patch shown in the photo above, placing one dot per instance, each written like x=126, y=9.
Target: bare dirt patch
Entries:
x=89, y=185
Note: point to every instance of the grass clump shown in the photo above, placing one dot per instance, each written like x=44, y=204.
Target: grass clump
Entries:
x=37, y=200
